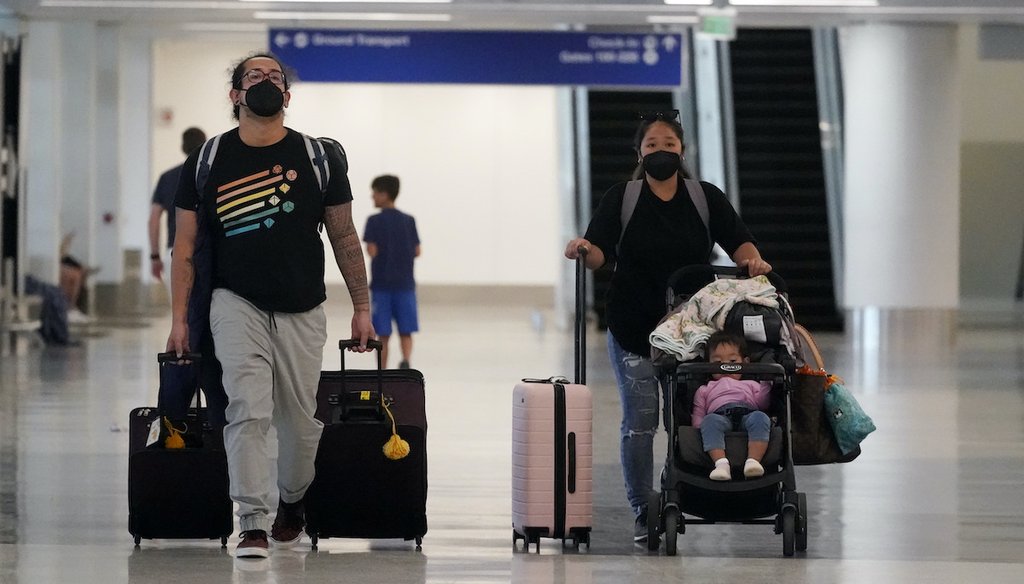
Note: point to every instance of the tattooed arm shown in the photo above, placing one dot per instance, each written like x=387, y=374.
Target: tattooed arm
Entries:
x=182, y=277
x=348, y=252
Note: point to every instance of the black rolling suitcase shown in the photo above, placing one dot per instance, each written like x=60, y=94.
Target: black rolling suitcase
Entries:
x=358, y=491
x=177, y=493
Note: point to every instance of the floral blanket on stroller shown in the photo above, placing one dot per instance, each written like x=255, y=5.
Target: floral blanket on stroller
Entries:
x=683, y=333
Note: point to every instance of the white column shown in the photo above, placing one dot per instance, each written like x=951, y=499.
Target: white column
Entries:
x=136, y=112
x=901, y=207
x=41, y=153
x=110, y=218
x=77, y=143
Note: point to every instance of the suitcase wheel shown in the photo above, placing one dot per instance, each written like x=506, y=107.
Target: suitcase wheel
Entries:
x=223, y=542
x=419, y=544
x=138, y=540
x=312, y=542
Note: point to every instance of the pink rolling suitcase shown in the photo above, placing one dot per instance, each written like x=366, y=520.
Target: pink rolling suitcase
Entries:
x=552, y=454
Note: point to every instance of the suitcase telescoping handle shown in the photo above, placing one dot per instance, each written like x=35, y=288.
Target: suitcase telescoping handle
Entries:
x=172, y=358
x=581, y=316
x=372, y=344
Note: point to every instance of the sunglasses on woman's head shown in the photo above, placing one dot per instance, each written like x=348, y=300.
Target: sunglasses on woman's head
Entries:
x=659, y=116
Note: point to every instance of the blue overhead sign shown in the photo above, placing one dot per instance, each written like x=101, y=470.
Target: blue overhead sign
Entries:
x=531, y=58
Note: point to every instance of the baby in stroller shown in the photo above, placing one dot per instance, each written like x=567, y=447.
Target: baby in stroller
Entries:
x=728, y=403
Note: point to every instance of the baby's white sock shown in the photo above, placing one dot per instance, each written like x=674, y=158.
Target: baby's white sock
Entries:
x=722, y=470
x=752, y=469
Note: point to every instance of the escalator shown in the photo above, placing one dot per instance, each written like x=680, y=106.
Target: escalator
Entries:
x=780, y=168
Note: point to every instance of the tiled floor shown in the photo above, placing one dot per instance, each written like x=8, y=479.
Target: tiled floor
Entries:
x=936, y=496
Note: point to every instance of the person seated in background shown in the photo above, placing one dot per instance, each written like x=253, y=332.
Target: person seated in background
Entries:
x=727, y=402
x=72, y=283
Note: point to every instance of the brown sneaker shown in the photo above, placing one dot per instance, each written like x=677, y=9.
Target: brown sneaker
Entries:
x=253, y=545
x=287, y=528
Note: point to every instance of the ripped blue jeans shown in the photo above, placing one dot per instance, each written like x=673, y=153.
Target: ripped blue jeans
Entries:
x=639, y=384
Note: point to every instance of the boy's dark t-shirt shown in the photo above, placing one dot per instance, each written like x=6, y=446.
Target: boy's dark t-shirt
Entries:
x=164, y=195
x=394, y=234
x=661, y=237
x=264, y=207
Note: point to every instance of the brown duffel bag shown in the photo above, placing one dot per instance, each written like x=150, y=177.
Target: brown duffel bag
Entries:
x=813, y=439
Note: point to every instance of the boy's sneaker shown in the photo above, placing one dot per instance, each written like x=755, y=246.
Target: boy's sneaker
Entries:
x=752, y=469
x=253, y=545
x=288, y=525
x=403, y=364
x=640, y=527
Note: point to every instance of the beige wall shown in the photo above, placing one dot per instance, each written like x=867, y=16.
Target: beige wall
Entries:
x=992, y=174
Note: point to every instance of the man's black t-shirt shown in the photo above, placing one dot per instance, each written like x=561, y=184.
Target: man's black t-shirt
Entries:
x=264, y=207
x=661, y=237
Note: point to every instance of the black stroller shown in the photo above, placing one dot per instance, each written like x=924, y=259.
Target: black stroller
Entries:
x=688, y=495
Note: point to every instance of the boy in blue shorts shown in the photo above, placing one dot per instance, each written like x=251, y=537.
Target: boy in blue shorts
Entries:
x=393, y=244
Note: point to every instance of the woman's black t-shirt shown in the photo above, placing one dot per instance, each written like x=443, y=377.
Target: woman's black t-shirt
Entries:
x=661, y=237
x=264, y=207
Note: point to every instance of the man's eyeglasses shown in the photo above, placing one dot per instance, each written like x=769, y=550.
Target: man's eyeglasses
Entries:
x=660, y=116
x=256, y=76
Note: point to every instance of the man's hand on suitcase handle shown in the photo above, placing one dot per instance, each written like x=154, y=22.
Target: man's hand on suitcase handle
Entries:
x=176, y=359
x=362, y=329
x=177, y=342
x=371, y=345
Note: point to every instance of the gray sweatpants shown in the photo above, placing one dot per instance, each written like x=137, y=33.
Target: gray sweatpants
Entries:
x=271, y=370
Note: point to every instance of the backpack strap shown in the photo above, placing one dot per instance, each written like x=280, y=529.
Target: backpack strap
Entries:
x=318, y=156
x=700, y=201
x=632, y=195
x=206, y=155
x=629, y=200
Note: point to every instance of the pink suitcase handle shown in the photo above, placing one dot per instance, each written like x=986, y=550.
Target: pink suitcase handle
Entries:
x=581, y=317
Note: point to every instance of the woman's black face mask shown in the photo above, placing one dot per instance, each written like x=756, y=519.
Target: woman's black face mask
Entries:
x=661, y=165
x=264, y=99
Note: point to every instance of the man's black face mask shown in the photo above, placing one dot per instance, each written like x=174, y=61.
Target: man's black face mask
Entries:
x=661, y=165
x=264, y=99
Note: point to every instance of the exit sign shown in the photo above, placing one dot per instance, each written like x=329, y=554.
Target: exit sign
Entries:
x=717, y=23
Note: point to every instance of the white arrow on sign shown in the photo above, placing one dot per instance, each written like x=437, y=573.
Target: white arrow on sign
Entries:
x=282, y=39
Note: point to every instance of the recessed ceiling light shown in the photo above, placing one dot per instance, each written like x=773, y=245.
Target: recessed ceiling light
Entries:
x=671, y=19
x=384, y=16
x=362, y=1
x=807, y=3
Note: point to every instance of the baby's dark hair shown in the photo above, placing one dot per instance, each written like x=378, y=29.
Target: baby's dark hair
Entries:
x=726, y=338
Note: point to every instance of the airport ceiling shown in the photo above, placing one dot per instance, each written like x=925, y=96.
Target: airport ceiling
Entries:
x=257, y=15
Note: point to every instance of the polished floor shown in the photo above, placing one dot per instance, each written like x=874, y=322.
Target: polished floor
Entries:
x=936, y=496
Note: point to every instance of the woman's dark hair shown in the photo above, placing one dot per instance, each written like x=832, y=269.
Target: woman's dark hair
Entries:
x=239, y=69
x=641, y=131
x=726, y=338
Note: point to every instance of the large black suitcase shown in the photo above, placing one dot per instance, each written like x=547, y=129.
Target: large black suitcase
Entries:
x=358, y=492
x=178, y=493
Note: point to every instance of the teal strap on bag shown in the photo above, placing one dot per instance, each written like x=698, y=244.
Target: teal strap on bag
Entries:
x=850, y=423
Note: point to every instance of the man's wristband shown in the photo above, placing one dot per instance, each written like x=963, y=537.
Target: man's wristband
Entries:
x=154, y=256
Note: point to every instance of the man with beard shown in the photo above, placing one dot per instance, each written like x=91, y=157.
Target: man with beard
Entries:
x=264, y=195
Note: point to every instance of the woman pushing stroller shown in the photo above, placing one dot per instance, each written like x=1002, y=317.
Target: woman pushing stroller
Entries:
x=664, y=231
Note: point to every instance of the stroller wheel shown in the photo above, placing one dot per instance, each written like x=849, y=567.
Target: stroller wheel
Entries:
x=788, y=531
x=671, y=530
x=802, y=520
x=653, y=521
